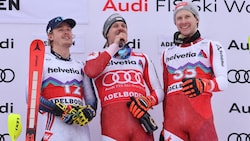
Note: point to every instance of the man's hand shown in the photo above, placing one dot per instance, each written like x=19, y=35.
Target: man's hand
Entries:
x=146, y=121
x=84, y=115
x=140, y=105
x=67, y=112
x=193, y=87
x=67, y=109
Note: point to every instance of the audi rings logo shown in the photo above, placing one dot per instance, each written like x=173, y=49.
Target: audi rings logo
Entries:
x=7, y=75
x=2, y=136
x=238, y=76
x=238, y=137
x=122, y=77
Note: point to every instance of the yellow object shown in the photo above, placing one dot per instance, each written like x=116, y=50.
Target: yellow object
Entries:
x=14, y=126
x=249, y=42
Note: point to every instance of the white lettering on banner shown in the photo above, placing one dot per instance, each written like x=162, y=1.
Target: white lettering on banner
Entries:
x=30, y=11
x=68, y=101
x=174, y=87
x=121, y=94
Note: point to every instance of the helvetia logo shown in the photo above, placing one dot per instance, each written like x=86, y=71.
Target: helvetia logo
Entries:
x=62, y=70
x=181, y=56
x=123, y=62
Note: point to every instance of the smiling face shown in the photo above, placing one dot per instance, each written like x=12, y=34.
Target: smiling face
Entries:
x=61, y=35
x=186, y=23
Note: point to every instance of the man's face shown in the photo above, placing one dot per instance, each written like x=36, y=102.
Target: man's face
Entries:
x=186, y=23
x=61, y=35
x=116, y=29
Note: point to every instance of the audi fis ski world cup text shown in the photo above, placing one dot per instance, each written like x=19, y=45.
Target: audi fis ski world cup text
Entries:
x=146, y=5
x=169, y=5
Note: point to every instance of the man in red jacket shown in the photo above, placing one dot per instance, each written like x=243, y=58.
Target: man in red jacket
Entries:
x=120, y=74
x=192, y=69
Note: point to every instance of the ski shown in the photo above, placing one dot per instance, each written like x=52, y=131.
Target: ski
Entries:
x=36, y=59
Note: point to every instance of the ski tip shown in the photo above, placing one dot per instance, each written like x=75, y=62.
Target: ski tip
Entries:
x=37, y=45
x=37, y=41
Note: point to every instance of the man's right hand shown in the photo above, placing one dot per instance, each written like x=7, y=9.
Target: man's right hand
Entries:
x=139, y=105
x=76, y=114
x=84, y=115
x=120, y=36
x=146, y=121
x=67, y=112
